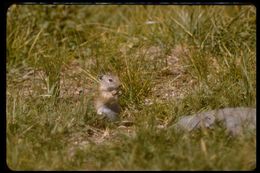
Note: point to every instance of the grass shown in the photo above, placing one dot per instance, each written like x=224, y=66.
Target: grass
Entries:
x=172, y=61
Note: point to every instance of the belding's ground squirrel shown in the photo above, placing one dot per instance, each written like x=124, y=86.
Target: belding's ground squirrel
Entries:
x=106, y=101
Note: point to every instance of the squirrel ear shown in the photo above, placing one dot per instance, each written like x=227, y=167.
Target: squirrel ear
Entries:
x=100, y=77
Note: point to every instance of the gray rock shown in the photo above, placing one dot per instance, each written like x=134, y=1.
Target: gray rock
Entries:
x=235, y=120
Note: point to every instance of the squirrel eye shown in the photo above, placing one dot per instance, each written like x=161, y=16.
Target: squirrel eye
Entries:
x=110, y=80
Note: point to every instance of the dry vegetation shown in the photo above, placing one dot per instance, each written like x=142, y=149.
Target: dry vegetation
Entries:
x=172, y=61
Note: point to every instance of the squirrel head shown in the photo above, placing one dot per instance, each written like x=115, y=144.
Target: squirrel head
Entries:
x=109, y=82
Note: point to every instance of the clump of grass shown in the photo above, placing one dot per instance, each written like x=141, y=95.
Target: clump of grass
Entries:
x=220, y=83
x=51, y=61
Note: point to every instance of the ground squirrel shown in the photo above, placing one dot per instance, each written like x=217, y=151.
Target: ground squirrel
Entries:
x=106, y=101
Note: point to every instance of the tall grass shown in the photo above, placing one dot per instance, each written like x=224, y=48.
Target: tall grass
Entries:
x=55, y=50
